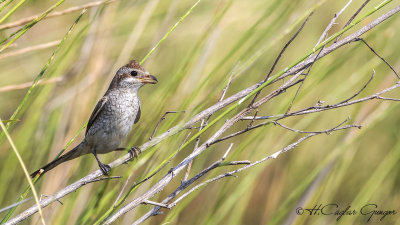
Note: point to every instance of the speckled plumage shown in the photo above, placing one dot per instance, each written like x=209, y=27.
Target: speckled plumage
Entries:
x=112, y=118
x=114, y=121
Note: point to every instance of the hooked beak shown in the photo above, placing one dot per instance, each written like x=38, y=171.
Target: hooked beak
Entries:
x=148, y=79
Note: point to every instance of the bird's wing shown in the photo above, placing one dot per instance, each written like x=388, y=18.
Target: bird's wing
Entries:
x=138, y=114
x=96, y=112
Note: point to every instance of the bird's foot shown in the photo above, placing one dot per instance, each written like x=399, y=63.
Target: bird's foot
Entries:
x=105, y=169
x=134, y=152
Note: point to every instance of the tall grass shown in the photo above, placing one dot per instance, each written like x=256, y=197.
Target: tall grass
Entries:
x=216, y=40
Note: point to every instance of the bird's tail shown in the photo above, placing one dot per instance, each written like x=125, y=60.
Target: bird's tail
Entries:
x=74, y=153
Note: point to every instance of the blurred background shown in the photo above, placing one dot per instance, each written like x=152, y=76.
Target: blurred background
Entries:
x=218, y=39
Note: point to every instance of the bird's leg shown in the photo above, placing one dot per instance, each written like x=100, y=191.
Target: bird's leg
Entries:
x=103, y=167
x=134, y=152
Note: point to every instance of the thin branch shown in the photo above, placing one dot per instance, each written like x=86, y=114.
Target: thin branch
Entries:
x=162, y=166
x=389, y=99
x=273, y=156
x=313, y=132
x=321, y=38
x=359, y=92
x=159, y=122
x=189, y=167
x=146, y=202
x=122, y=189
x=281, y=53
x=386, y=62
x=318, y=108
x=154, y=211
x=330, y=25
x=305, y=77
x=187, y=183
x=102, y=178
x=353, y=17
x=204, y=123
x=226, y=88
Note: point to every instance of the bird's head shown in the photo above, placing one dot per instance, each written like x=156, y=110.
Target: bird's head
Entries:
x=132, y=75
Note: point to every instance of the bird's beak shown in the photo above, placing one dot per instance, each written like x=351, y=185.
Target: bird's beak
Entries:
x=148, y=79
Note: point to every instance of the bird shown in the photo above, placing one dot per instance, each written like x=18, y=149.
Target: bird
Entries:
x=112, y=118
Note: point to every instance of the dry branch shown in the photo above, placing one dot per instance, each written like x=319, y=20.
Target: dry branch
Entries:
x=184, y=185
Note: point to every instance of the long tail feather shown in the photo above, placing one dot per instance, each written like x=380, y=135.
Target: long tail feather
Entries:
x=74, y=153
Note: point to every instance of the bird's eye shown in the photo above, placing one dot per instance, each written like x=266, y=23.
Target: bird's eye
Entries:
x=134, y=73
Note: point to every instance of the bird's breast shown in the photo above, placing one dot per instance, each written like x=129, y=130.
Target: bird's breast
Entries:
x=115, y=121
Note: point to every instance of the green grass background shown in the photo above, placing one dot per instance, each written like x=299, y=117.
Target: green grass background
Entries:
x=219, y=38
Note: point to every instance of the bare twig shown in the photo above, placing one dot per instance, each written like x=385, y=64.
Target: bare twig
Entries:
x=358, y=92
x=353, y=17
x=183, y=186
x=330, y=25
x=204, y=123
x=389, y=99
x=122, y=189
x=318, y=108
x=189, y=167
x=313, y=132
x=162, y=166
x=226, y=88
x=155, y=203
x=186, y=184
x=102, y=178
x=281, y=53
x=321, y=38
x=159, y=122
x=301, y=84
x=386, y=62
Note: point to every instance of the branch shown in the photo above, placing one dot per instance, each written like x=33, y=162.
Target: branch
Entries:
x=155, y=210
x=187, y=183
x=330, y=25
x=159, y=122
x=386, y=62
x=318, y=108
x=281, y=53
x=353, y=17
